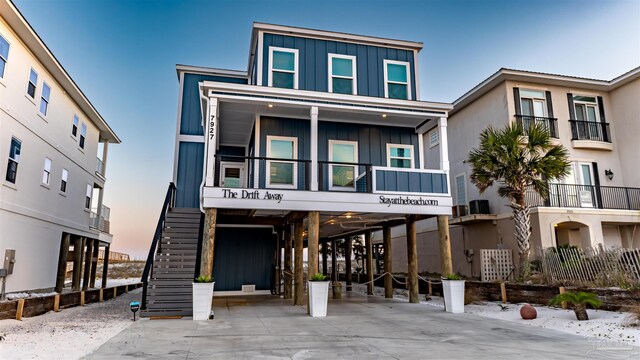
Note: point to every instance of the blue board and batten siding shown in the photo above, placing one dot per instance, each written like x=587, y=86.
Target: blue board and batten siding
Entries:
x=313, y=57
x=243, y=256
x=189, y=176
x=191, y=154
x=411, y=182
x=300, y=129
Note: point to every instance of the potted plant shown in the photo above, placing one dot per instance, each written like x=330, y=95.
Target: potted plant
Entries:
x=202, y=297
x=453, y=291
x=318, y=295
x=578, y=301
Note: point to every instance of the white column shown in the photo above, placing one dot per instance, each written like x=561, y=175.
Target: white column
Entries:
x=314, y=149
x=211, y=135
x=444, y=146
x=422, y=163
x=105, y=150
x=256, y=153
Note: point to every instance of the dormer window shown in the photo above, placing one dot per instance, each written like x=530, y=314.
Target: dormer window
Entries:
x=342, y=74
x=283, y=67
x=396, y=80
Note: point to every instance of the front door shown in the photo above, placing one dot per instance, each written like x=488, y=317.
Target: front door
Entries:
x=232, y=175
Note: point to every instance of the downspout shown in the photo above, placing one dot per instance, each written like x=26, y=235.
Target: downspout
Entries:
x=206, y=144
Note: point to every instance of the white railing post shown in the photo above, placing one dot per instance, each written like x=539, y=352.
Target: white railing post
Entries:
x=444, y=146
x=211, y=141
x=314, y=149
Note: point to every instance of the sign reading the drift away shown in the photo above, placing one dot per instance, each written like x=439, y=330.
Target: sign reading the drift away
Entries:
x=252, y=195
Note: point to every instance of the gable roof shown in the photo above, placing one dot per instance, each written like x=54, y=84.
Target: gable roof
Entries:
x=32, y=40
x=505, y=74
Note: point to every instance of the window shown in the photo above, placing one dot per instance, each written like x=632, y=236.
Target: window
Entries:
x=87, y=199
x=396, y=80
x=83, y=135
x=586, y=108
x=63, y=181
x=46, y=173
x=342, y=74
x=283, y=68
x=400, y=156
x=33, y=81
x=461, y=190
x=74, y=127
x=434, y=138
x=533, y=103
x=4, y=54
x=282, y=173
x=14, y=159
x=342, y=176
x=44, y=100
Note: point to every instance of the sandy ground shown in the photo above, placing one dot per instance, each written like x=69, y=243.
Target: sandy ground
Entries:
x=68, y=334
x=76, y=332
x=602, y=326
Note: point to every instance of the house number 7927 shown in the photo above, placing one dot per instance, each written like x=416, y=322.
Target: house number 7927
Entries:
x=212, y=125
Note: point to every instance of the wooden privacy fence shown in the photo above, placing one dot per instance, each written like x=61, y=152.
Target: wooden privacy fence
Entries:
x=591, y=266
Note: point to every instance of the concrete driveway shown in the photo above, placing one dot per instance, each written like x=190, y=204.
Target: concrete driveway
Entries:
x=357, y=327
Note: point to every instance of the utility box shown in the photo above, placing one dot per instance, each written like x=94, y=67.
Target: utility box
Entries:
x=9, y=260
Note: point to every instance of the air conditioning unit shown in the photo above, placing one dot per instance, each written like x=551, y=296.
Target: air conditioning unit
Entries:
x=459, y=210
x=479, y=207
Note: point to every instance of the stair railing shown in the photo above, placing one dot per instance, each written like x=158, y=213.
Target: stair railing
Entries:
x=169, y=202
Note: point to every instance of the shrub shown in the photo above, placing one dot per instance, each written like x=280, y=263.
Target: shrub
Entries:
x=318, y=277
x=452, y=277
x=204, y=279
x=578, y=301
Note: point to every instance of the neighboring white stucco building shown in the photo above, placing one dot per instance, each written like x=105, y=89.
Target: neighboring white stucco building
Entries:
x=53, y=153
x=598, y=121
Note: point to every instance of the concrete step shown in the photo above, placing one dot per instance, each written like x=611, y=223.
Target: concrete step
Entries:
x=166, y=313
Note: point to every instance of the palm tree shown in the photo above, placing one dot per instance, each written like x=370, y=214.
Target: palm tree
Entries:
x=518, y=160
x=579, y=302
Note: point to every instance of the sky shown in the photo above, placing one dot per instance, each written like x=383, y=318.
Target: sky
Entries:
x=122, y=54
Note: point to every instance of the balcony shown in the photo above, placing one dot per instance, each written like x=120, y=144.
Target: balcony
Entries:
x=551, y=124
x=587, y=196
x=100, y=167
x=341, y=186
x=100, y=222
x=590, y=135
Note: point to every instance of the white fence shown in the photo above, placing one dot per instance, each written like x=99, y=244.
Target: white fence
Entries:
x=591, y=266
x=496, y=264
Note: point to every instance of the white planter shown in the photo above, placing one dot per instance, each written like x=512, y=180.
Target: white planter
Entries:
x=202, y=298
x=318, y=298
x=453, y=295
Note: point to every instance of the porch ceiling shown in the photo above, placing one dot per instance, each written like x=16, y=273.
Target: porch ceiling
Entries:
x=237, y=117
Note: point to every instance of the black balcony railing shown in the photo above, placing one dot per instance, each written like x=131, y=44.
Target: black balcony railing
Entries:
x=587, y=196
x=344, y=176
x=293, y=174
x=590, y=130
x=551, y=124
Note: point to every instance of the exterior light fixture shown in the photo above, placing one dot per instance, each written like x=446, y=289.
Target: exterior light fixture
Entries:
x=348, y=216
x=384, y=115
x=609, y=174
x=270, y=105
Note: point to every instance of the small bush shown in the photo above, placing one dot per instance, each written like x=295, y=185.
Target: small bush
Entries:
x=318, y=277
x=204, y=279
x=452, y=277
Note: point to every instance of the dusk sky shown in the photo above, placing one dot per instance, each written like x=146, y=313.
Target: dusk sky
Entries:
x=123, y=54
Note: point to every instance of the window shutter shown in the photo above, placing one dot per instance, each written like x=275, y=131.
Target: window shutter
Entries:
x=572, y=109
x=547, y=94
x=516, y=100
x=601, y=109
x=596, y=182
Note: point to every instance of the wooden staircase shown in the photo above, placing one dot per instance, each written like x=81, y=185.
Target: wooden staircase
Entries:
x=169, y=288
